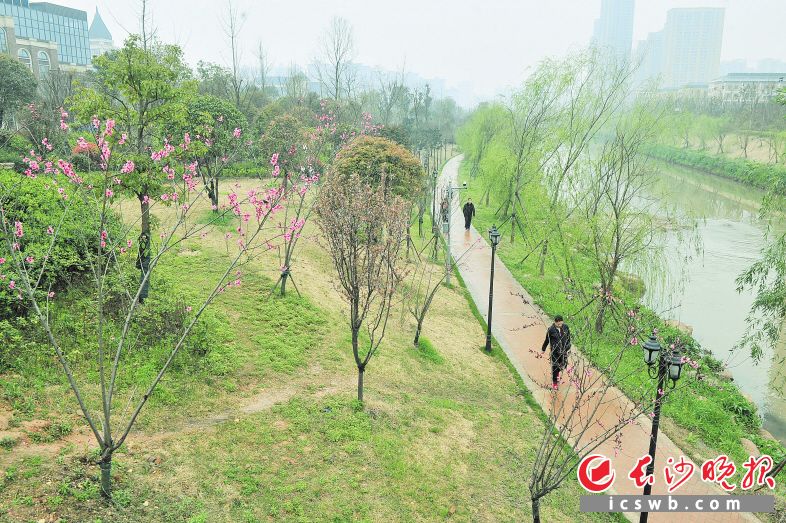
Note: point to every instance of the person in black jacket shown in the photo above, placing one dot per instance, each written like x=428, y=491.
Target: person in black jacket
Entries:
x=469, y=213
x=558, y=336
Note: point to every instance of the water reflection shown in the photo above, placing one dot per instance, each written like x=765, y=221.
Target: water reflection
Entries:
x=704, y=295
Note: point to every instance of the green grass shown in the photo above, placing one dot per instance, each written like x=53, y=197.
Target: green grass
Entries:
x=426, y=351
x=446, y=431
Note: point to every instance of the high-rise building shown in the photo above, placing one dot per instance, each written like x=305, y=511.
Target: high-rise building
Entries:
x=44, y=36
x=614, y=28
x=686, y=52
x=100, y=38
x=692, y=45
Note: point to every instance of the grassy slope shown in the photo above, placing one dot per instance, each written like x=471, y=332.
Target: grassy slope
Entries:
x=269, y=430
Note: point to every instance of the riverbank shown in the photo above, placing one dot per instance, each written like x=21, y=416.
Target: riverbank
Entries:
x=763, y=176
x=710, y=417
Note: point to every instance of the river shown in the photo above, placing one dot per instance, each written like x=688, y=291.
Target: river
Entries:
x=701, y=291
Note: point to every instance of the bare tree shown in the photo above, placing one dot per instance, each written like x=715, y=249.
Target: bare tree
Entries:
x=147, y=29
x=392, y=93
x=296, y=84
x=364, y=229
x=334, y=66
x=263, y=70
x=232, y=27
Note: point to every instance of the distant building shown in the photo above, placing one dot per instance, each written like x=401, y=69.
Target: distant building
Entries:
x=614, y=28
x=686, y=51
x=100, y=38
x=692, y=45
x=650, y=57
x=44, y=36
x=747, y=87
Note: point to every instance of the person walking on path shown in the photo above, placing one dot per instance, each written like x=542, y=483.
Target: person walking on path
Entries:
x=558, y=336
x=469, y=213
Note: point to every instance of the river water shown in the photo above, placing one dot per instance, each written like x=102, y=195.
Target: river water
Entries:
x=701, y=289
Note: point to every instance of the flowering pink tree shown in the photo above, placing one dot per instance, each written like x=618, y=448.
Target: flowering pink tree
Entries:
x=297, y=210
x=109, y=258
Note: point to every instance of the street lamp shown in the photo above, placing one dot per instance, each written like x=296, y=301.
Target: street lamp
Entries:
x=448, y=202
x=669, y=367
x=494, y=237
x=434, y=198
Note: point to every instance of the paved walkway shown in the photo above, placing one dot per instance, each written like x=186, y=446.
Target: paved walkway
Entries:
x=511, y=312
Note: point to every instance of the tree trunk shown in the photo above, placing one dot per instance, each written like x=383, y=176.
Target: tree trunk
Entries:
x=361, y=370
x=284, y=277
x=601, y=314
x=106, y=475
x=543, y=257
x=416, y=342
x=535, y=510
x=214, y=194
x=145, y=208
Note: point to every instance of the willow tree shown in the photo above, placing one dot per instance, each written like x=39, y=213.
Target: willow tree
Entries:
x=620, y=222
x=593, y=90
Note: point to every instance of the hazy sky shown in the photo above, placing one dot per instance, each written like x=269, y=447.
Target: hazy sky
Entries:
x=480, y=46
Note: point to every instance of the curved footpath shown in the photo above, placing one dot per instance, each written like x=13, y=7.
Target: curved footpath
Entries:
x=511, y=312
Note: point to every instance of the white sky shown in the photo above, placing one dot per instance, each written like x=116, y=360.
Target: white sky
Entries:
x=481, y=46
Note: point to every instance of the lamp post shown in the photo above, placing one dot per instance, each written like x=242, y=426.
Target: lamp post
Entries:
x=669, y=368
x=494, y=237
x=434, y=197
x=446, y=227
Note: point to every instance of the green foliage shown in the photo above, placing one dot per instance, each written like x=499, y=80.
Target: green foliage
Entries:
x=38, y=205
x=764, y=176
x=372, y=157
x=145, y=92
x=18, y=86
x=280, y=136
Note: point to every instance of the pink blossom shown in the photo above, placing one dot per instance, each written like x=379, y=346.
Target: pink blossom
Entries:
x=12, y=285
x=274, y=159
x=188, y=309
x=110, y=127
x=129, y=243
x=46, y=144
x=29, y=259
x=19, y=232
x=109, y=193
x=51, y=294
x=145, y=199
x=2, y=261
x=123, y=138
x=236, y=132
x=96, y=122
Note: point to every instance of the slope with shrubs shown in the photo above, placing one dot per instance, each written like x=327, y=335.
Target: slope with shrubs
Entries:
x=257, y=420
